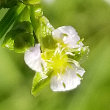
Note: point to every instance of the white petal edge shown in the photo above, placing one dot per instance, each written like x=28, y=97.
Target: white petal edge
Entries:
x=32, y=58
x=68, y=81
x=69, y=36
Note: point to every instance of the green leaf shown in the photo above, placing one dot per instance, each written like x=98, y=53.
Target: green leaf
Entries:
x=9, y=18
x=39, y=82
x=9, y=40
x=24, y=15
x=8, y=3
x=20, y=38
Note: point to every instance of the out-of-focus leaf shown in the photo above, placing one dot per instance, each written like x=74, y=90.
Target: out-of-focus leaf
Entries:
x=9, y=18
x=8, y=3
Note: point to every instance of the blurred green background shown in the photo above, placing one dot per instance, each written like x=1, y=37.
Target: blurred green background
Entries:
x=91, y=18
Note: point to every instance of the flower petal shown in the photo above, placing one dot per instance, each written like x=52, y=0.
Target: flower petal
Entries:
x=67, y=81
x=69, y=36
x=32, y=58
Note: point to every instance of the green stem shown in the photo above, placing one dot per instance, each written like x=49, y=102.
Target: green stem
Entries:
x=35, y=14
x=9, y=18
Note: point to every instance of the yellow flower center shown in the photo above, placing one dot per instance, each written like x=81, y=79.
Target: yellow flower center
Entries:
x=59, y=63
x=56, y=60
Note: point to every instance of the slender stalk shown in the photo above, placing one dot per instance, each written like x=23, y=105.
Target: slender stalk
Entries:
x=35, y=14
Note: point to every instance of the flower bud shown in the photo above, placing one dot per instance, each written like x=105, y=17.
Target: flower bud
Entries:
x=23, y=41
x=20, y=38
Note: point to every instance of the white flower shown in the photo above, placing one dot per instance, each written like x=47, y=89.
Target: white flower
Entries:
x=68, y=80
x=68, y=35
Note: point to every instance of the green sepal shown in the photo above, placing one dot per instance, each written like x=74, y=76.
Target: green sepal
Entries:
x=20, y=38
x=42, y=28
x=39, y=82
x=44, y=34
x=9, y=18
x=31, y=2
x=8, y=3
x=78, y=53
